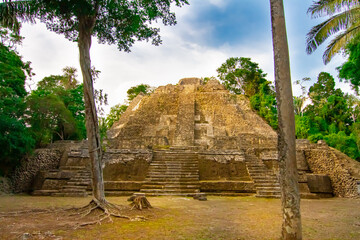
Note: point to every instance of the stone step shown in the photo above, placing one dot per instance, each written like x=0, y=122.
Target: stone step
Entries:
x=153, y=194
x=182, y=186
x=80, y=178
x=71, y=194
x=173, y=164
x=77, y=174
x=183, y=179
x=160, y=167
x=170, y=186
x=263, y=171
x=118, y=193
x=44, y=192
x=152, y=186
x=72, y=168
x=175, y=157
x=267, y=184
x=172, y=173
x=175, y=175
x=170, y=190
x=172, y=153
x=262, y=177
x=68, y=186
x=83, y=183
x=73, y=189
x=171, y=168
x=268, y=188
x=229, y=194
x=268, y=193
x=268, y=196
x=173, y=183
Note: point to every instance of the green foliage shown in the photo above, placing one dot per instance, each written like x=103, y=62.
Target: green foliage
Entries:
x=114, y=115
x=242, y=76
x=56, y=109
x=136, y=90
x=115, y=22
x=15, y=139
x=344, y=143
x=329, y=105
x=50, y=119
x=298, y=105
x=350, y=70
x=264, y=103
x=302, y=126
x=332, y=116
x=322, y=89
x=9, y=39
x=316, y=137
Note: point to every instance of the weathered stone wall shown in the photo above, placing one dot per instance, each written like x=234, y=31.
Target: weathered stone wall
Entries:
x=222, y=166
x=126, y=165
x=42, y=159
x=228, y=186
x=151, y=122
x=188, y=114
x=226, y=121
x=5, y=186
x=325, y=160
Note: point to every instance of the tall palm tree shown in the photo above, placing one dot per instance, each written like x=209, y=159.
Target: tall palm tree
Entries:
x=343, y=21
x=290, y=197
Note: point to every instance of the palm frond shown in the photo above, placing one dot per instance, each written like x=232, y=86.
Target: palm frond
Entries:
x=334, y=24
x=340, y=41
x=11, y=13
x=330, y=7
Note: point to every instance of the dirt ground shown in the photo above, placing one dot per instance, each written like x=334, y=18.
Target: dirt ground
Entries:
x=232, y=218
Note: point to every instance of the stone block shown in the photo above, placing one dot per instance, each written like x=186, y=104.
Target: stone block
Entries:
x=122, y=185
x=302, y=178
x=190, y=81
x=39, y=180
x=134, y=170
x=227, y=186
x=53, y=184
x=78, y=161
x=222, y=167
x=318, y=183
x=304, y=188
x=302, y=164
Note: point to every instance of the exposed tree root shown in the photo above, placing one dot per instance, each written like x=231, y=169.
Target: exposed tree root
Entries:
x=108, y=210
x=31, y=211
x=95, y=212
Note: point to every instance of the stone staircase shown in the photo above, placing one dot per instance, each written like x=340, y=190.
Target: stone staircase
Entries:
x=78, y=185
x=173, y=172
x=266, y=182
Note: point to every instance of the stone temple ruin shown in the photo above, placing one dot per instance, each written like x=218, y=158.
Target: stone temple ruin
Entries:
x=194, y=137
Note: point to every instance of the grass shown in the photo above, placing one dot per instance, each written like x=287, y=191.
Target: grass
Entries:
x=180, y=218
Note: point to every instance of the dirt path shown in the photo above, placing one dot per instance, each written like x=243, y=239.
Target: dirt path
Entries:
x=184, y=218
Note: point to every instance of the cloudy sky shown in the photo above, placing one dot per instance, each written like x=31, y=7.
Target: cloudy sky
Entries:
x=208, y=32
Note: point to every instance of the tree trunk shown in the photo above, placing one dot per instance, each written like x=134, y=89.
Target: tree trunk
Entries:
x=86, y=25
x=290, y=197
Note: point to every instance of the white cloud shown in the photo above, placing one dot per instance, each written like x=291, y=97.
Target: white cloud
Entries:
x=185, y=52
x=218, y=3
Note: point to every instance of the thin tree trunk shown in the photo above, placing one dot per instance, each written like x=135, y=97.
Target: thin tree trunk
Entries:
x=86, y=25
x=290, y=197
